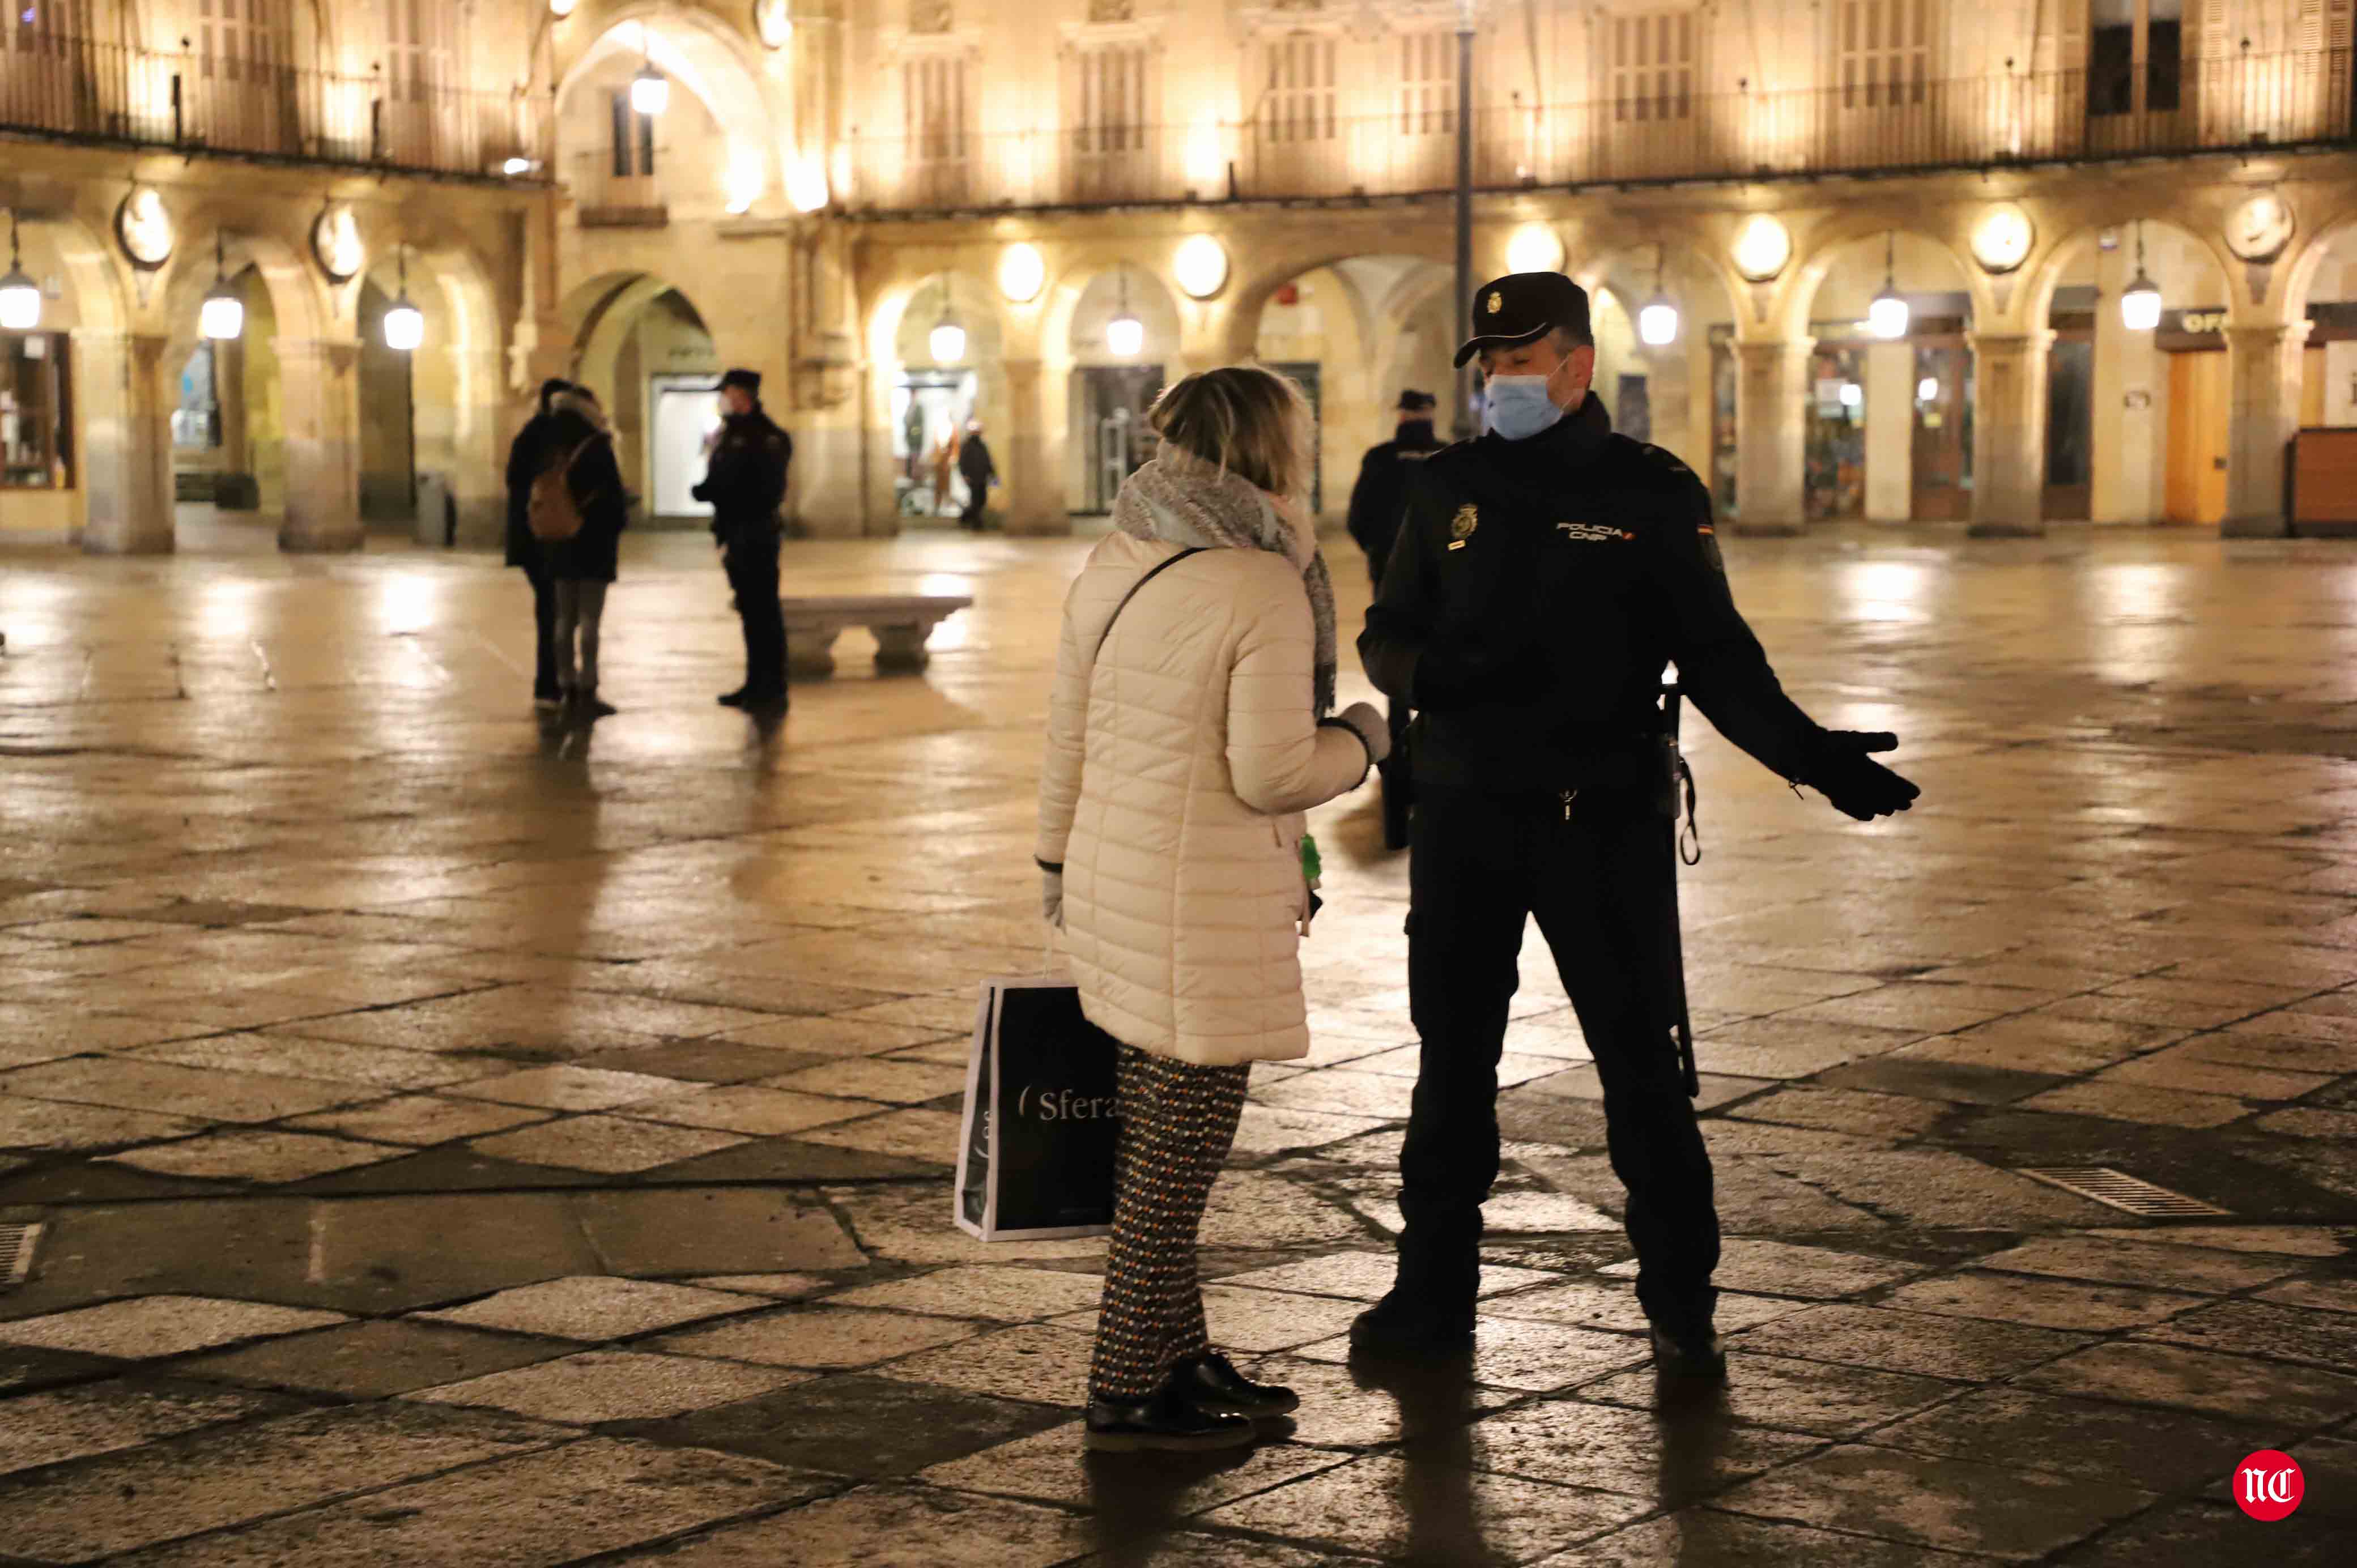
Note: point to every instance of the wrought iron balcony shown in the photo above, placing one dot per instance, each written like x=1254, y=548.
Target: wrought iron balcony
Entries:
x=2300, y=99
x=79, y=90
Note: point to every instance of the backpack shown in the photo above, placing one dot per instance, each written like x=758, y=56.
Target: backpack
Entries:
x=550, y=511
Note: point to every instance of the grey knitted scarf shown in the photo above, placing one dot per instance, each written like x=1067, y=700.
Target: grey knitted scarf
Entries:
x=1179, y=499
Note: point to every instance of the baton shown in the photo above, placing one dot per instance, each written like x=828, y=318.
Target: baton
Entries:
x=1675, y=834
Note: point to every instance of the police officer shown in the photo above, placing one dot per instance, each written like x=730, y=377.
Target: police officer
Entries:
x=1544, y=576
x=745, y=483
x=1381, y=495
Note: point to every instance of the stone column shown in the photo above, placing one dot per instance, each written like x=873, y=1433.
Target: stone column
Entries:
x=321, y=383
x=1031, y=461
x=2010, y=433
x=2263, y=365
x=1771, y=391
x=124, y=466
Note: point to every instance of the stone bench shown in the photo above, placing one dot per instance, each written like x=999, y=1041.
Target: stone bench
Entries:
x=900, y=623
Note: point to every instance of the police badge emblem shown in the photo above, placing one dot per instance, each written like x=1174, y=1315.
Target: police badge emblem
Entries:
x=1495, y=303
x=1461, y=526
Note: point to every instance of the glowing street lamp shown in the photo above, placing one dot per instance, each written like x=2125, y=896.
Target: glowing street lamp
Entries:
x=221, y=316
x=947, y=339
x=2140, y=306
x=1657, y=324
x=20, y=297
x=1887, y=316
x=404, y=324
x=650, y=91
x=1125, y=334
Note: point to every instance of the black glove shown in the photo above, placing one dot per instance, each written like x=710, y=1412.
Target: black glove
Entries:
x=1858, y=786
x=701, y=492
x=1450, y=677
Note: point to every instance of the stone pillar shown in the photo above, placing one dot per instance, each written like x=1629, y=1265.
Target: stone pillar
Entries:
x=1031, y=461
x=1891, y=433
x=2131, y=407
x=2010, y=433
x=321, y=379
x=124, y=466
x=1771, y=391
x=2263, y=366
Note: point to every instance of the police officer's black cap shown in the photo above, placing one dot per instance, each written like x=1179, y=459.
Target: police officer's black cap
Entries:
x=750, y=380
x=1522, y=307
x=1414, y=402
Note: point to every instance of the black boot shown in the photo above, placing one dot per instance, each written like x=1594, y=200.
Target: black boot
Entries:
x=1164, y=1421
x=1689, y=1350
x=1210, y=1382
x=1411, y=1324
x=734, y=699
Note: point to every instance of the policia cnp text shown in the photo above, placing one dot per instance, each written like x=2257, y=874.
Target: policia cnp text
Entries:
x=1544, y=576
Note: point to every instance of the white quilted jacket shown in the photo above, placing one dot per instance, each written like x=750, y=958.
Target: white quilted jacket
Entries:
x=1177, y=774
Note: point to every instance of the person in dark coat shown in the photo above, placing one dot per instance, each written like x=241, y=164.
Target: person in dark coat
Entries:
x=524, y=463
x=581, y=568
x=979, y=473
x=745, y=484
x=1379, y=500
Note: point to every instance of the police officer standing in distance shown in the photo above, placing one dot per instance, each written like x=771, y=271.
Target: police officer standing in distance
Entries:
x=1543, y=576
x=745, y=483
x=1381, y=495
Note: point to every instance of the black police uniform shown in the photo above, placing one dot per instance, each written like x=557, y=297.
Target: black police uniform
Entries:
x=1536, y=592
x=745, y=483
x=1380, y=496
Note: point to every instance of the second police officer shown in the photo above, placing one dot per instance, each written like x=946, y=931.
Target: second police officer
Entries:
x=1543, y=576
x=745, y=484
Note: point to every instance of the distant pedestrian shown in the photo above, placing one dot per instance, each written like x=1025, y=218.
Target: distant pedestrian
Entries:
x=745, y=484
x=524, y=462
x=1198, y=655
x=1379, y=500
x=979, y=473
x=579, y=447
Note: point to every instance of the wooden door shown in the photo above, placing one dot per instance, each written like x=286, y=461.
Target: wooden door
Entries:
x=2197, y=438
x=1942, y=456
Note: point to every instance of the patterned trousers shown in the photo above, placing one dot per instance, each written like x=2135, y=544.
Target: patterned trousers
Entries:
x=1177, y=1123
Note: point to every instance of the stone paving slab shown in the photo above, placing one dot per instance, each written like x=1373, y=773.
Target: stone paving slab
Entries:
x=373, y=1043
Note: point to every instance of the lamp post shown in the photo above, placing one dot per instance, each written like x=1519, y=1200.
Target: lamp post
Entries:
x=1460, y=424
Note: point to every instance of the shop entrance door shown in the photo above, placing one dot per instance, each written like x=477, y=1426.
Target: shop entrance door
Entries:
x=2197, y=438
x=1114, y=400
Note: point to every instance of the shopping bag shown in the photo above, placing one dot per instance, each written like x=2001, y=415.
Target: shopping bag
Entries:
x=1036, y=1147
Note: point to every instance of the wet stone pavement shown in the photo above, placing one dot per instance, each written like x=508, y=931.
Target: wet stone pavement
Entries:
x=459, y=1139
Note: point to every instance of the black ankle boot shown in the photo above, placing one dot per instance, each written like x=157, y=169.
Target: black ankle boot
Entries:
x=1163, y=1421
x=1210, y=1382
x=1689, y=1352
x=1411, y=1327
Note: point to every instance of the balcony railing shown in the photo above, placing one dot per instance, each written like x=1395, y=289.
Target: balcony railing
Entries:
x=2293, y=99
x=79, y=90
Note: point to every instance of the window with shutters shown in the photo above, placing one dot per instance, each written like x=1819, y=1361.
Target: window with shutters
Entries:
x=416, y=49
x=934, y=89
x=1297, y=93
x=1427, y=83
x=1652, y=65
x=634, y=139
x=1883, y=52
x=2136, y=56
x=241, y=41
x=1110, y=108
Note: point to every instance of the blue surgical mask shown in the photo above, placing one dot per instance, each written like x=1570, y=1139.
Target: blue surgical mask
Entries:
x=1519, y=407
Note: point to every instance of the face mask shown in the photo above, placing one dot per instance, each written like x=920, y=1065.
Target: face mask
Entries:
x=1519, y=407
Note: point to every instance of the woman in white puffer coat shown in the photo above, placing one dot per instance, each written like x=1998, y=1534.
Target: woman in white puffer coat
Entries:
x=1186, y=737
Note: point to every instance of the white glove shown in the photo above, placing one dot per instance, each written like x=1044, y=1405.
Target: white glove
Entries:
x=1052, y=899
x=1368, y=723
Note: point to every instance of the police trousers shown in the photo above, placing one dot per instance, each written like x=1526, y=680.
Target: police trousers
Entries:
x=751, y=560
x=1599, y=884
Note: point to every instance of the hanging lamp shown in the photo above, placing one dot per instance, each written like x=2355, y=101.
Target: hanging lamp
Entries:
x=404, y=324
x=221, y=316
x=2140, y=306
x=20, y=297
x=947, y=339
x=1657, y=324
x=1887, y=316
x=1125, y=334
x=650, y=89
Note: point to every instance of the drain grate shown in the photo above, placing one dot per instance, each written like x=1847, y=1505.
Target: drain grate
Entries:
x=16, y=1254
x=2121, y=1190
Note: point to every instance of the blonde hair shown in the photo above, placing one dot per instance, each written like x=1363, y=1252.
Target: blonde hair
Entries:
x=1249, y=421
